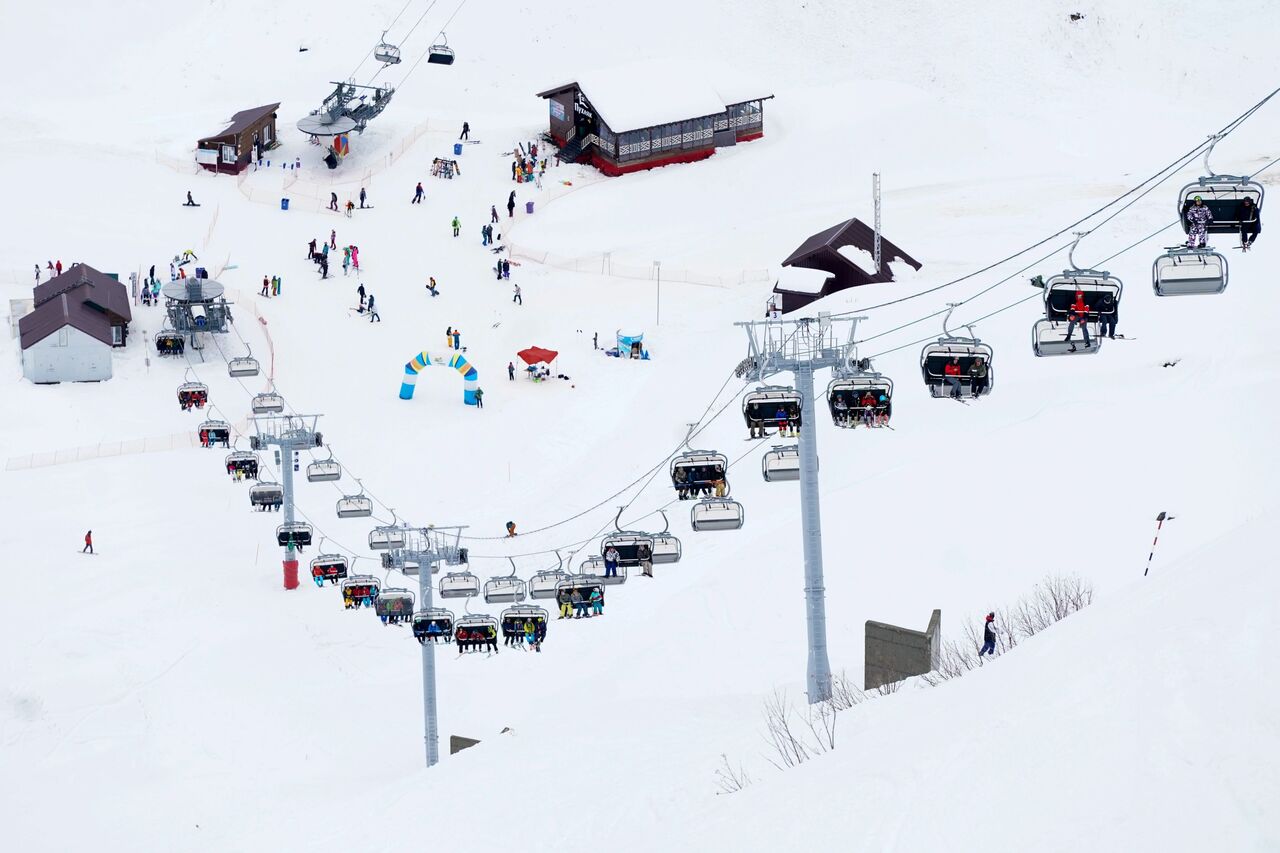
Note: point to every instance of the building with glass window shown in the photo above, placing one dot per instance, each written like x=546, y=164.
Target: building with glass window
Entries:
x=631, y=118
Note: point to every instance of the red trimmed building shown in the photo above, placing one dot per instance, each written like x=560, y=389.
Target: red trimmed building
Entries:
x=629, y=119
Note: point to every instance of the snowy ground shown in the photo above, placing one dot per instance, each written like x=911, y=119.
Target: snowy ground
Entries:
x=182, y=701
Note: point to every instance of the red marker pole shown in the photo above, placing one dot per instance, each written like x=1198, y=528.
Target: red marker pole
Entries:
x=1159, y=523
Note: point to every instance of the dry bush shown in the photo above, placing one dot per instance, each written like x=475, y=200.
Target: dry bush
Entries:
x=730, y=779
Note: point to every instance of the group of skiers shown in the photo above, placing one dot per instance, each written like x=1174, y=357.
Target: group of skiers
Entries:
x=529, y=631
x=1198, y=217
x=953, y=373
x=786, y=419
x=577, y=605
x=870, y=410
x=690, y=482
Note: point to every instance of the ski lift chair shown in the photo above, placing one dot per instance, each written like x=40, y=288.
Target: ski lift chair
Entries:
x=716, y=514
x=935, y=356
x=459, y=585
x=170, y=344
x=545, y=583
x=354, y=506
x=324, y=471
x=216, y=432
x=697, y=471
x=440, y=53
x=760, y=408
x=781, y=464
x=513, y=618
x=1186, y=272
x=628, y=545
x=268, y=403
x=1049, y=338
x=393, y=605
x=433, y=625
x=1223, y=195
x=193, y=395
x=850, y=391
x=1060, y=293
x=666, y=549
x=243, y=366
x=387, y=53
x=266, y=495
x=582, y=584
x=386, y=538
x=244, y=461
x=328, y=567
x=504, y=589
x=295, y=533
x=360, y=591
x=474, y=628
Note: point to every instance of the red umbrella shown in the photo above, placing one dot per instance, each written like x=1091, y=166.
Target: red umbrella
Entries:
x=537, y=355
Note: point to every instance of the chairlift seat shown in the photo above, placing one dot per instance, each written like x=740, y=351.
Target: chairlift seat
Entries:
x=440, y=55
x=781, y=464
x=935, y=357
x=500, y=590
x=716, y=514
x=244, y=366
x=388, y=54
x=1223, y=195
x=628, y=546
x=193, y=394
x=354, y=506
x=360, y=590
x=394, y=605
x=295, y=533
x=850, y=391
x=459, y=585
x=545, y=583
x=760, y=407
x=324, y=471
x=216, y=432
x=1187, y=272
x=328, y=567
x=699, y=468
x=386, y=539
x=666, y=549
x=1060, y=293
x=266, y=494
x=1049, y=338
x=433, y=624
x=267, y=403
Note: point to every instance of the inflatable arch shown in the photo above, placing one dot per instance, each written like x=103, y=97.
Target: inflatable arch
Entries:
x=420, y=361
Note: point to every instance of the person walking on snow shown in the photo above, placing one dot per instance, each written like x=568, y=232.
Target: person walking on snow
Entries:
x=479, y=398
x=1199, y=218
x=511, y=204
x=333, y=202
x=456, y=226
x=373, y=314
x=989, y=636
x=511, y=371
x=417, y=194
x=457, y=338
x=88, y=543
x=362, y=198
x=517, y=298
x=466, y=131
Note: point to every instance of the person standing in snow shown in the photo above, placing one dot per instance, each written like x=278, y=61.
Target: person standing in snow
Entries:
x=511, y=204
x=373, y=314
x=506, y=268
x=362, y=198
x=517, y=298
x=493, y=213
x=595, y=340
x=360, y=293
x=1198, y=218
x=417, y=194
x=37, y=273
x=456, y=226
x=88, y=543
x=311, y=249
x=266, y=286
x=333, y=238
x=333, y=201
x=346, y=259
x=989, y=631
x=479, y=398
x=466, y=131
x=457, y=338
x=511, y=371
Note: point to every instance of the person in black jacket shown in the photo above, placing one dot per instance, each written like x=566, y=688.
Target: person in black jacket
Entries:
x=989, y=636
x=1108, y=316
x=1250, y=222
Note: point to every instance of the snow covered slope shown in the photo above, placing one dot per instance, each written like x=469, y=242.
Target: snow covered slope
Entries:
x=176, y=698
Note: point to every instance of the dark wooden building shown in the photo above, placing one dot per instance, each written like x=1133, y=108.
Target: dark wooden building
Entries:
x=250, y=133
x=632, y=118
x=832, y=252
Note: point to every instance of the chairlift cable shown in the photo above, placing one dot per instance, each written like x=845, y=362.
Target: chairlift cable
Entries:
x=427, y=52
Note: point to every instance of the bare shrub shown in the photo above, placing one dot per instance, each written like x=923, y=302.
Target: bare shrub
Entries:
x=730, y=779
x=780, y=734
x=821, y=722
x=844, y=693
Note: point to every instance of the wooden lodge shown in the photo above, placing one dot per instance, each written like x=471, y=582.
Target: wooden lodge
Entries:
x=249, y=133
x=632, y=118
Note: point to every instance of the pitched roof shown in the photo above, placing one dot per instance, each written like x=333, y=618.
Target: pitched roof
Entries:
x=245, y=119
x=86, y=284
x=63, y=310
x=821, y=251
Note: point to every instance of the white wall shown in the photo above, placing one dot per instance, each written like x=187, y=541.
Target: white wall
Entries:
x=67, y=355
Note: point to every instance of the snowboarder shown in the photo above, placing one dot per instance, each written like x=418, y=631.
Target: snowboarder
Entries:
x=511, y=370
x=362, y=198
x=511, y=204
x=190, y=201
x=431, y=286
x=88, y=543
x=493, y=213
x=466, y=131
x=1108, y=316
x=479, y=398
x=989, y=636
x=457, y=338
x=418, y=192
x=333, y=201
x=373, y=314
x=511, y=529
x=266, y=286
x=456, y=226
x=1250, y=223
x=611, y=557
x=517, y=298
x=1198, y=218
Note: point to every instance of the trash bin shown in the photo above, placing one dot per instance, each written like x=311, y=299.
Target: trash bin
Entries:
x=284, y=204
x=528, y=207
x=457, y=149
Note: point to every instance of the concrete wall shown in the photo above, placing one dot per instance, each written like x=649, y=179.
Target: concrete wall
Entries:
x=893, y=653
x=67, y=355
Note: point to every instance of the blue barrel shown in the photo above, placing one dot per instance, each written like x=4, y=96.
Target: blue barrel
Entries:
x=457, y=149
x=284, y=204
x=528, y=207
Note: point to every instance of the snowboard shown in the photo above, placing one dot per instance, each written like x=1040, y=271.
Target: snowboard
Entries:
x=184, y=204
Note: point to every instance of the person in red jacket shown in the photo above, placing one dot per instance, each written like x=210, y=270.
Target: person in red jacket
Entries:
x=952, y=373
x=1078, y=315
x=88, y=543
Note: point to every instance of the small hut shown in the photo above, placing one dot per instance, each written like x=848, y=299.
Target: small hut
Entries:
x=250, y=132
x=831, y=259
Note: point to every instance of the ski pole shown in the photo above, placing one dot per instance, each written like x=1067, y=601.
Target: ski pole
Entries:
x=1159, y=523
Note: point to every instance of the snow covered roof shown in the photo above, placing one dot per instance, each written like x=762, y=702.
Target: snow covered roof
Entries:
x=649, y=93
x=802, y=279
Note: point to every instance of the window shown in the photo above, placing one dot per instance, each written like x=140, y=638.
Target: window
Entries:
x=117, y=336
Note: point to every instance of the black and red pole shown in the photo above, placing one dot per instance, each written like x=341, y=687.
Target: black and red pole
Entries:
x=1160, y=519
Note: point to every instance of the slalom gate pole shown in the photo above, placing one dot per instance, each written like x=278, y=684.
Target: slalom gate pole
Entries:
x=1159, y=523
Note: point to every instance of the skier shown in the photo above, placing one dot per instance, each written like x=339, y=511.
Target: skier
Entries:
x=333, y=238
x=311, y=249
x=511, y=529
x=360, y=292
x=324, y=250
x=989, y=636
x=457, y=338
x=511, y=370
x=418, y=192
x=456, y=226
x=978, y=376
x=88, y=543
x=431, y=286
x=466, y=131
x=346, y=259
x=1078, y=315
x=333, y=205
x=479, y=398
x=611, y=557
x=362, y=198
x=1250, y=222
x=493, y=213
x=355, y=257
x=517, y=298
x=645, y=555
x=190, y=201
x=951, y=373
x=511, y=204
x=373, y=314
x=1108, y=316
x=324, y=266
x=350, y=206
x=597, y=602
x=1198, y=218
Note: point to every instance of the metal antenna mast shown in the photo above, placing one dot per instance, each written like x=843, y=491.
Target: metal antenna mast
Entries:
x=288, y=434
x=802, y=347
x=875, y=196
x=423, y=550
